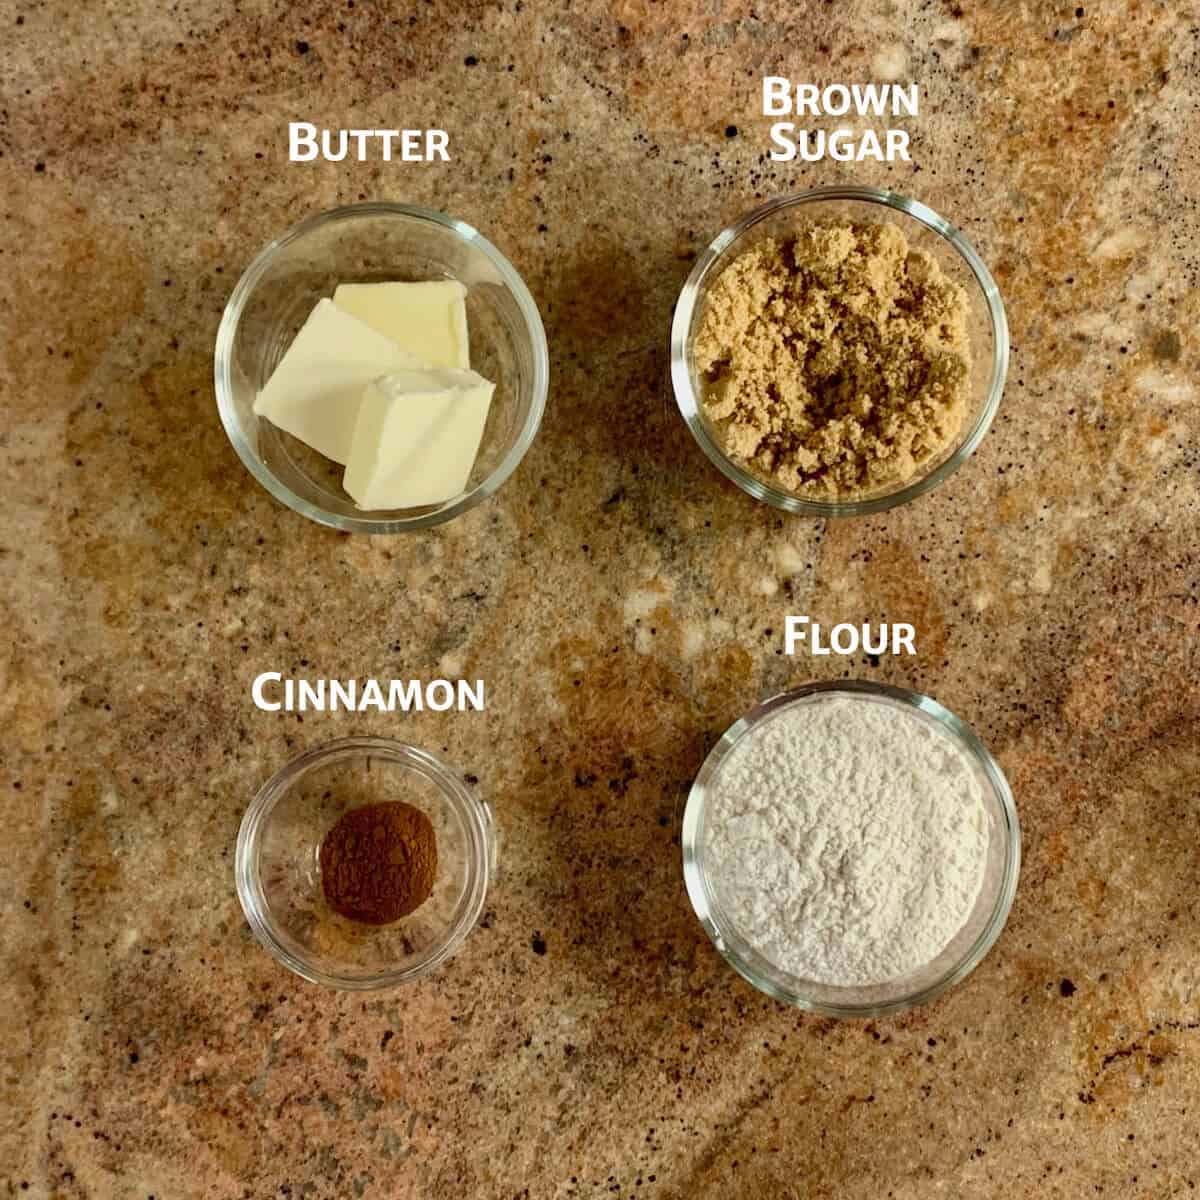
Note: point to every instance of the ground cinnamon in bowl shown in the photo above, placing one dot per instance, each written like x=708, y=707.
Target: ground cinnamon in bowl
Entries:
x=836, y=360
x=379, y=862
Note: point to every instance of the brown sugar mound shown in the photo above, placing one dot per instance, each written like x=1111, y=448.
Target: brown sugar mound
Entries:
x=379, y=862
x=837, y=362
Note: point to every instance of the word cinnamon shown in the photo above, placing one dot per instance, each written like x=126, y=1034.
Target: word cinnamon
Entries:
x=379, y=862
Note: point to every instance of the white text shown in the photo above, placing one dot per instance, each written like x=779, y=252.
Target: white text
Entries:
x=272, y=693
x=306, y=142
x=849, y=639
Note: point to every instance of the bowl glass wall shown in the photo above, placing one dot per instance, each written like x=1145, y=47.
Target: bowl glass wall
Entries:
x=279, y=874
x=925, y=230
x=371, y=243
x=964, y=952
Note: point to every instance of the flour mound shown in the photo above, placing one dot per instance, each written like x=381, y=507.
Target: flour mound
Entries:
x=847, y=840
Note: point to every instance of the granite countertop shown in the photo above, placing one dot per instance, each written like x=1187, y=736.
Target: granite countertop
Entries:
x=622, y=600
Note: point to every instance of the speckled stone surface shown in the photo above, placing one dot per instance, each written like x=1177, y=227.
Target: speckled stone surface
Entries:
x=623, y=602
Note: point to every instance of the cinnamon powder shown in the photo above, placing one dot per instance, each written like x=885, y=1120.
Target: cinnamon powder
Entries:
x=379, y=862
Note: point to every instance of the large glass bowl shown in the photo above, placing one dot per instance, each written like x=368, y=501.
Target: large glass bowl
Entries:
x=925, y=230
x=964, y=952
x=279, y=872
x=367, y=243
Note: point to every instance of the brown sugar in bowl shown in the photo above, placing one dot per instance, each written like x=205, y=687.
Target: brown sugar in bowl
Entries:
x=926, y=232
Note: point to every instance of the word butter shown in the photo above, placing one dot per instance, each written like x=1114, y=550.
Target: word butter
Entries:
x=306, y=142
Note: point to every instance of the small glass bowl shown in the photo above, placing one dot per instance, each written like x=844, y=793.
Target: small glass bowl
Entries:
x=965, y=951
x=279, y=874
x=366, y=243
x=925, y=230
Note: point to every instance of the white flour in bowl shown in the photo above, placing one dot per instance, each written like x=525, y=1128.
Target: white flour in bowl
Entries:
x=846, y=840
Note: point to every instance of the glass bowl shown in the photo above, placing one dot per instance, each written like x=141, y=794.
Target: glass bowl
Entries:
x=964, y=952
x=366, y=243
x=925, y=230
x=279, y=875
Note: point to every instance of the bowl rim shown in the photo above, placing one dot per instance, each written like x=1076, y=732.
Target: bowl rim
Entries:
x=730, y=945
x=690, y=405
x=223, y=367
x=474, y=813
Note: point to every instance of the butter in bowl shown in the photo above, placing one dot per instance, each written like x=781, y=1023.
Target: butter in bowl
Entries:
x=381, y=368
x=378, y=380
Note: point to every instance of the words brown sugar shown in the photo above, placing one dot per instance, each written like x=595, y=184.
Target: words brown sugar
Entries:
x=837, y=361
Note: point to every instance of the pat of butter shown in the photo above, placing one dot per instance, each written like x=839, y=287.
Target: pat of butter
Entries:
x=315, y=392
x=428, y=319
x=416, y=439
